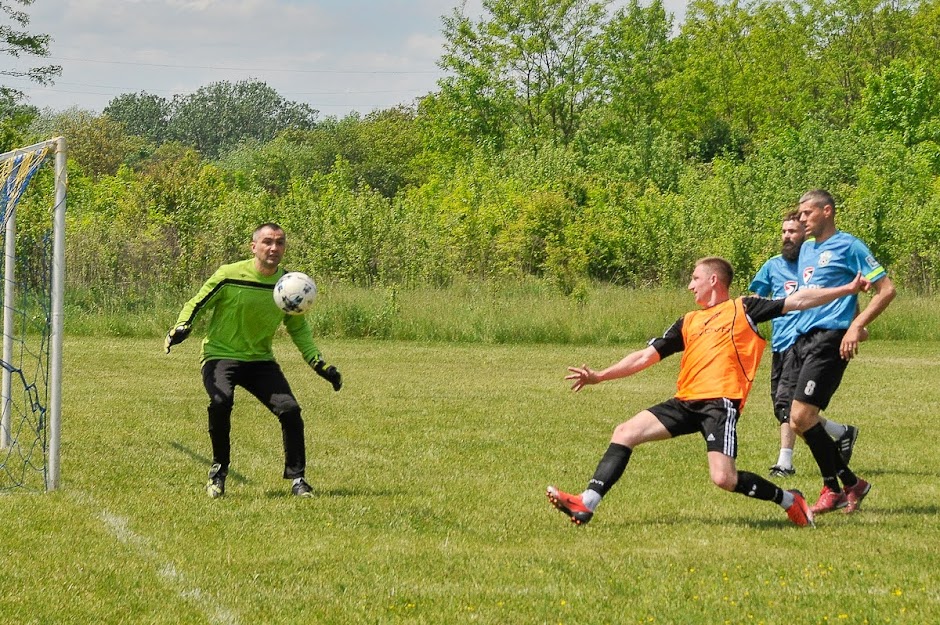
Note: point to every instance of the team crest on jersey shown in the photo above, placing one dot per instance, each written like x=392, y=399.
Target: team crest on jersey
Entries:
x=807, y=275
x=789, y=287
x=874, y=264
x=825, y=258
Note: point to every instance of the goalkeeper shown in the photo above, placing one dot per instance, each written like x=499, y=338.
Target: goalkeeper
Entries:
x=237, y=351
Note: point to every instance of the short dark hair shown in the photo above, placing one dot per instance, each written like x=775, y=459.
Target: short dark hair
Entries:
x=721, y=267
x=792, y=216
x=819, y=198
x=270, y=224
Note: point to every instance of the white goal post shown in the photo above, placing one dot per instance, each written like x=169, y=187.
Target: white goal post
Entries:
x=32, y=333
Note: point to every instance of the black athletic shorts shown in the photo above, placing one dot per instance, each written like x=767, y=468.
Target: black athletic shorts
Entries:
x=814, y=369
x=715, y=419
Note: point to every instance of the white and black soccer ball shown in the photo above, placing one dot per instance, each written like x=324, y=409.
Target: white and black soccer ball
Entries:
x=295, y=293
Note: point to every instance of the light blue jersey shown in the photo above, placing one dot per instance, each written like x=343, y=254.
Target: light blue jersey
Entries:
x=834, y=262
x=776, y=279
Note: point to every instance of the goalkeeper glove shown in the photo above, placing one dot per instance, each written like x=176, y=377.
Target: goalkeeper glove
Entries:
x=329, y=373
x=176, y=335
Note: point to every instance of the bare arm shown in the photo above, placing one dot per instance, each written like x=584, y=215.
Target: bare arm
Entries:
x=810, y=298
x=857, y=332
x=630, y=364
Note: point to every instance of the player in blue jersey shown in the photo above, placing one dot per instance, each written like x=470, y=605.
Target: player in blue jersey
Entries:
x=776, y=279
x=828, y=339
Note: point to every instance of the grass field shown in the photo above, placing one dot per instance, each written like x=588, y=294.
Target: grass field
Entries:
x=430, y=469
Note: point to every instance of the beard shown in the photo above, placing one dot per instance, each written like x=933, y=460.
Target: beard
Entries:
x=790, y=250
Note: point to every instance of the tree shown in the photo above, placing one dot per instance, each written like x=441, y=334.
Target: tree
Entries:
x=143, y=114
x=98, y=144
x=15, y=41
x=903, y=99
x=218, y=117
x=539, y=52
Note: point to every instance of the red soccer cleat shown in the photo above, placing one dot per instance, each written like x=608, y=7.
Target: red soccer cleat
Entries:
x=572, y=505
x=799, y=511
x=855, y=494
x=829, y=500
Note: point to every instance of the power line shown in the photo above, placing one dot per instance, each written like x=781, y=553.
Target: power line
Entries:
x=249, y=69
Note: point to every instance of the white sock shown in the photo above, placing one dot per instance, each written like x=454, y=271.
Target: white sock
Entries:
x=590, y=498
x=785, y=459
x=833, y=429
x=297, y=480
x=788, y=500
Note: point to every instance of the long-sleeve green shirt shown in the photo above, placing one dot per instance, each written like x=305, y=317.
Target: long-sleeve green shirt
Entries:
x=244, y=315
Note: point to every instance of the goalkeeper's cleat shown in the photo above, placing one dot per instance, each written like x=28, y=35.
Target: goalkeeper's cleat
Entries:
x=300, y=488
x=571, y=505
x=779, y=471
x=829, y=500
x=855, y=494
x=215, y=487
x=846, y=443
x=799, y=511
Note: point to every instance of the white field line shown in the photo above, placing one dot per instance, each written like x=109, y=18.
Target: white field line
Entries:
x=163, y=568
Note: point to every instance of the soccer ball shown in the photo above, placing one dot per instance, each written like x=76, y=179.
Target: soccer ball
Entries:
x=295, y=293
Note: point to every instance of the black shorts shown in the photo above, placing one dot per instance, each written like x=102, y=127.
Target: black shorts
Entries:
x=715, y=419
x=814, y=369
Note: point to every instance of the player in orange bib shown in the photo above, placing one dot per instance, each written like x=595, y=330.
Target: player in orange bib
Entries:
x=721, y=350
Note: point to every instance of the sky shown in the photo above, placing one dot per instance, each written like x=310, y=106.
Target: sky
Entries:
x=338, y=56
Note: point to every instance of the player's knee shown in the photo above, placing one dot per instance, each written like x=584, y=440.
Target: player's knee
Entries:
x=625, y=434
x=725, y=480
x=285, y=406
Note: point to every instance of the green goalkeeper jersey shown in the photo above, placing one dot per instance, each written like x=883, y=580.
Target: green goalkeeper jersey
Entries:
x=244, y=315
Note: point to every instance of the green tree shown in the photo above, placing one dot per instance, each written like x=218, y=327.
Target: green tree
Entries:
x=16, y=41
x=851, y=40
x=97, y=143
x=904, y=99
x=218, y=117
x=541, y=52
x=143, y=114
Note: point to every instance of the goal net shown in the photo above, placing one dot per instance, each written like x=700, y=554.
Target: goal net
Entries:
x=32, y=215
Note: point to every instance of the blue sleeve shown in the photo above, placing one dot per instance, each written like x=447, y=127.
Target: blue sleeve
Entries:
x=761, y=282
x=865, y=262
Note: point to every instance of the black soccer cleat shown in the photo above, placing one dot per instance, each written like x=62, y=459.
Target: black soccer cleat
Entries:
x=846, y=442
x=300, y=488
x=215, y=487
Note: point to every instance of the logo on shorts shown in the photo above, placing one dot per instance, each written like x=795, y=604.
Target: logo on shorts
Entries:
x=808, y=274
x=825, y=258
x=710, y=438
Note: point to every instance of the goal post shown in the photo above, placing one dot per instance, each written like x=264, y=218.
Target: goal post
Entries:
x=33, y=294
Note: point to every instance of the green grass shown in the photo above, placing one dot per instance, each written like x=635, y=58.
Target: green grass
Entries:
x=430, y=468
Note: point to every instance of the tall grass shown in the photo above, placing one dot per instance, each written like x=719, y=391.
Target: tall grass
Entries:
x=495, y=313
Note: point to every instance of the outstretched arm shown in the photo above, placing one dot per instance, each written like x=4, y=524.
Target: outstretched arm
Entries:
x=810, y=298
x=630, y=364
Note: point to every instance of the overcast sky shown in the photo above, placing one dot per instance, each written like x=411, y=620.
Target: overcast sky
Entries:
x=338, y=56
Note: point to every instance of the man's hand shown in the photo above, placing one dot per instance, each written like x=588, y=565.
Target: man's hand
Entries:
x=176, y=335
x=853, y=336
x=582, y=376
x=329, y=373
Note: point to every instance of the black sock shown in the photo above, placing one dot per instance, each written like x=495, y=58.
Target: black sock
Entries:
x=825, y=453
x=610, y=468
x=755, y=486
